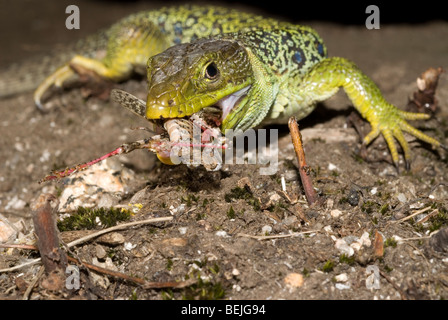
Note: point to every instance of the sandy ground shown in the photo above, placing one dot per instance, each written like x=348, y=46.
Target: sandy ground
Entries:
x=208, y=239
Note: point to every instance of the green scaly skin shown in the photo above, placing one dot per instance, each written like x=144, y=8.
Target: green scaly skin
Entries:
x=198, y=57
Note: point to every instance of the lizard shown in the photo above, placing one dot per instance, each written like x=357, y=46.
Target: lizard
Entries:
x=255, y=70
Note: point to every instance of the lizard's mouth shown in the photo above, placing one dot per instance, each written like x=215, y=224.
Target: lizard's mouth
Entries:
x=231, y=101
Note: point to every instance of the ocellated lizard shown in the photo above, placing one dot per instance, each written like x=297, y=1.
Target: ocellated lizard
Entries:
x=255, y=69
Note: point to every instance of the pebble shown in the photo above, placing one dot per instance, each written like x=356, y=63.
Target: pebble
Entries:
x=293, y=280
x=289, y=220
x=353, y=197
x=112, y=239
x=266, y=230
x=100, y=252
x=221, y=233
x=15, y=204
x=344, y=248
x=98, y=184
x=183, y=230
x=341, y=286
x=7, y=231
x=291, y=175
x=335, y=213
x=402, y=198
x=341, y=277
x=129, y=246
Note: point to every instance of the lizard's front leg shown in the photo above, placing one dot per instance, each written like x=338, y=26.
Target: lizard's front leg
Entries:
x=326, y=77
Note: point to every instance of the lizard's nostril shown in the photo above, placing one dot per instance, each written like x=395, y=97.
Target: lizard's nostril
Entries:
x=170, y=102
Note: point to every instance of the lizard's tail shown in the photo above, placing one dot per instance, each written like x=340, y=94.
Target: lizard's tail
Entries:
x=27, y=75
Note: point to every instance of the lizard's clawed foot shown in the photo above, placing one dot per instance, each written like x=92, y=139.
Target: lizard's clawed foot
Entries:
x=56, y=79
x=391, y=126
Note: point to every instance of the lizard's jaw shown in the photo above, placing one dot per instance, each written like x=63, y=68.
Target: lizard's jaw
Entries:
x=229, y=102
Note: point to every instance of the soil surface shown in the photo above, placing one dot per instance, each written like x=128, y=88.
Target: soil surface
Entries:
x=355, y=243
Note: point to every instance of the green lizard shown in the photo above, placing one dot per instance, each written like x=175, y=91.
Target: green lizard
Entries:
x=256, y=70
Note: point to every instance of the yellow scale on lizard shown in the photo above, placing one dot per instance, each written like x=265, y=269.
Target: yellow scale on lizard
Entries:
x=257, y=70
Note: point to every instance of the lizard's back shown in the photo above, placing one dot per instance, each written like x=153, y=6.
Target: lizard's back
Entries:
x=168, y=26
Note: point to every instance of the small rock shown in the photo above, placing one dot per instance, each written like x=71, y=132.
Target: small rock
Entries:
x=183, y=230
x=402, y=198
x=293, y=280
x=15, y=204
x=341, y=277
x=235, y=272
x=7, y=230
x=100, y=252
x=344, y=248
x=112, y=239
x=275, y=197
x=332, y=167
x=329, y=204
x=353, y=197
x=335, y=213
x=266, y=230
x=289, y=220
x=129, y=246
x=341, y=286
x=291, y=175
x=439, y=241
x=221, y=233
x=175, y=242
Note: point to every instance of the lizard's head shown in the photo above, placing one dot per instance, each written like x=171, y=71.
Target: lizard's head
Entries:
x=191, y=77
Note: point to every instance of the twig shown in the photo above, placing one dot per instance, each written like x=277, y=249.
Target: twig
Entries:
x=27, y=293
x=412, y=215
x=118, y=227
x=402, y=294
x=20, y=266
x=145, y=284
x=295, y=234
x=91, y=236
x=53, y=257
x=429, y=215
x=310, y=193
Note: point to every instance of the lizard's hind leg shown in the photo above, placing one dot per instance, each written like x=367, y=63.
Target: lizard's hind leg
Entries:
x=130, y=43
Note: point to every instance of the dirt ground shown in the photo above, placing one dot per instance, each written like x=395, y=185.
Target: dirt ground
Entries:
x=326, y=251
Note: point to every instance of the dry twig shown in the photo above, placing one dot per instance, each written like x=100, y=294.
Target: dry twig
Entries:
x=310, y=193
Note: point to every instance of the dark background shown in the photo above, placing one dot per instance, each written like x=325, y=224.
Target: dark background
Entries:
x=345, y=12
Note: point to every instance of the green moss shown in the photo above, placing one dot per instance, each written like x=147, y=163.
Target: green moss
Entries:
x=204, y=290
x=357, y=158
x=189, y=199
x=245, y=194
x=343, y=258
x=86, y=218
x=169, y=264
x=134, y=295
x=306, y=272
x=390, y=242
x=210, y=289
x=328, y=266
x=231, y=213
x=384, y=208
x=388, y=269
x=369, y=207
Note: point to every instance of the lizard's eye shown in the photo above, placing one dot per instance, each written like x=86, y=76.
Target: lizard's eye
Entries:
x=211, y=71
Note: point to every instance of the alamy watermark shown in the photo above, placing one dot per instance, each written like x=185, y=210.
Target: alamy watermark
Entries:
x=373, y=20
x=72, y=281
x=73, y=20
x=236, y=147
x=373, y=278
